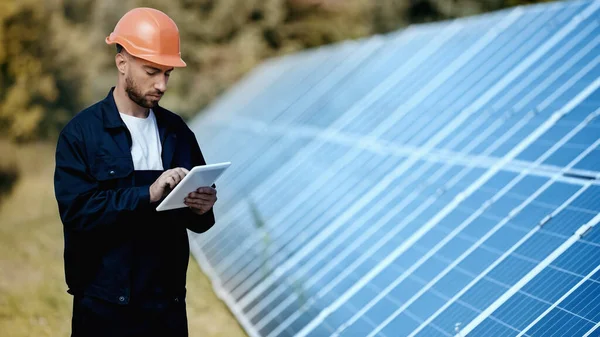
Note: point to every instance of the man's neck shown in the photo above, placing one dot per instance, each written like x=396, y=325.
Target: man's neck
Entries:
x=126, y=106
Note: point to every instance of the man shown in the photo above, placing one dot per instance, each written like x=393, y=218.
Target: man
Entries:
x=125, y=263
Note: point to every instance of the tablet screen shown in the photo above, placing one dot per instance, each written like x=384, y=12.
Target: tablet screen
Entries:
x=199, y=176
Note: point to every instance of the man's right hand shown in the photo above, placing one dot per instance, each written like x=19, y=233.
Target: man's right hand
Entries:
x=166, y=182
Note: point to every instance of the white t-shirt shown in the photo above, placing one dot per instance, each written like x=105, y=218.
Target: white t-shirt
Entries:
x=146, y=148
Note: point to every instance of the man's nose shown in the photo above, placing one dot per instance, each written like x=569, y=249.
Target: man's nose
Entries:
x=161, y=84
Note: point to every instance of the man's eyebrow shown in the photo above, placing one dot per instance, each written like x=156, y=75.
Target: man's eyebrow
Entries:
x=156, y=69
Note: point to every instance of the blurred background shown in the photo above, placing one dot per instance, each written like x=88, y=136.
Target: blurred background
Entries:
x=54, y=62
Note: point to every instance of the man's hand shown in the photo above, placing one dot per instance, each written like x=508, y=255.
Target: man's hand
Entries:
x=166, y=182
x=202, y=200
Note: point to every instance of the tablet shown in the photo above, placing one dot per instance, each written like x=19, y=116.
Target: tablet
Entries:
x=199, y=176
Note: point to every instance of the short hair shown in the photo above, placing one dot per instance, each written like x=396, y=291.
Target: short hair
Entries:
x=119, y=48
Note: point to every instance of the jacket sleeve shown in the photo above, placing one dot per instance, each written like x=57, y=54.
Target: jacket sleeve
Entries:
x=82, y=206
x=194, y=222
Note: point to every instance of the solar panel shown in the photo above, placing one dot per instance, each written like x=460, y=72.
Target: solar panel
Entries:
x=443, y=180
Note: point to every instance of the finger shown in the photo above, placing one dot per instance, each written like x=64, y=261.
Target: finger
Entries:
x=196, y=202
x=172, y=181
x=207, y=190
x=181, y=172
x=177, y=175
x=166, y=184
x=200, y=208
x=205, y=197
x=165, y=175
x=172, y=173
x=200, y=196
x=192, y=205
x=199, y=204
x=200, y=201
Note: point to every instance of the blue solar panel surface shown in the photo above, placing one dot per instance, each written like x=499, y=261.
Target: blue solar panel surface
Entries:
x=443, y=180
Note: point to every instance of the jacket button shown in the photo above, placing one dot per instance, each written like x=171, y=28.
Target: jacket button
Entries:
x=112, y=173
x=121, y=298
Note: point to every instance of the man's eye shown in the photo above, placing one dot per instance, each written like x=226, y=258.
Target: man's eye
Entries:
x=149, y=73
x=168, y=74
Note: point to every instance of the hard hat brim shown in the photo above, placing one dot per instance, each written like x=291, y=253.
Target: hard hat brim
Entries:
x=163, y=60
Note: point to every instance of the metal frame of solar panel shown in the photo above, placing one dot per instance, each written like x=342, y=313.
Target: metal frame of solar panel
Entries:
x=443, y=180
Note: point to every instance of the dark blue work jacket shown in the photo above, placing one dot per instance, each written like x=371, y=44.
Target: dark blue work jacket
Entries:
x=111, y=229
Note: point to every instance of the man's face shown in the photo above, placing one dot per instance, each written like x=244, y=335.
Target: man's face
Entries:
x=146, y=82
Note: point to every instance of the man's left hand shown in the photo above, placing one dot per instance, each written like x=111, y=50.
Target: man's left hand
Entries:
x=202, y=200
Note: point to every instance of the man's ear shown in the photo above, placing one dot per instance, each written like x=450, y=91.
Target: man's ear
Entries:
x=121, y=62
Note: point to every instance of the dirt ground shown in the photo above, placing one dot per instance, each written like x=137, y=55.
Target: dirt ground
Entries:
x=33, y=298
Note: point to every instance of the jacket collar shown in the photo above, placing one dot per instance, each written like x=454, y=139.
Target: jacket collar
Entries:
x=166, y=122
x=110, y=113
x=111, y=118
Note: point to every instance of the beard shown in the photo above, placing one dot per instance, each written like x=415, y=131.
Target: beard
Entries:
x=136, y=95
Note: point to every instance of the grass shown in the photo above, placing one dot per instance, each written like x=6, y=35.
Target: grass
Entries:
x=33, y=298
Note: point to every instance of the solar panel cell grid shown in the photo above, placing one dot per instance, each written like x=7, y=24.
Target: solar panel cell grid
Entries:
x=433, y=182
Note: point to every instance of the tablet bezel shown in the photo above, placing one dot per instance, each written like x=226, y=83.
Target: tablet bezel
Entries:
x=195, y=170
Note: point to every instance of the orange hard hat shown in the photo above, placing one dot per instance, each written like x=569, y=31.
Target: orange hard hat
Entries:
x=149, y=34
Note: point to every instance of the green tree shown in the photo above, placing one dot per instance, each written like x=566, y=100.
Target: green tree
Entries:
x=53, y=60
x=40, y=80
